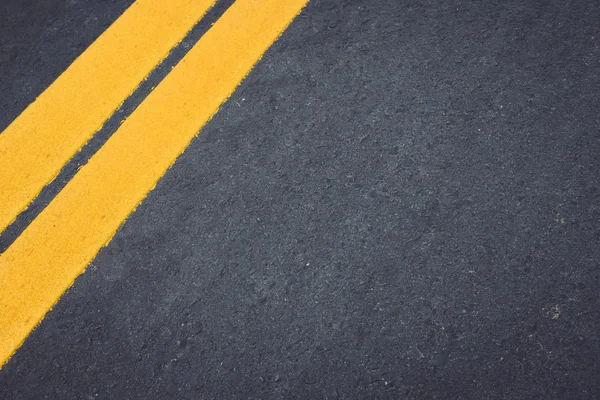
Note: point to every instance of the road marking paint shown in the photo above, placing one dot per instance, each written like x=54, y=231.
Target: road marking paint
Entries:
x=45, y=260
x=36, y=145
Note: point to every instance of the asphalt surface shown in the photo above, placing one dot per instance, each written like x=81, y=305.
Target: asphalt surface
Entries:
x=402, y=200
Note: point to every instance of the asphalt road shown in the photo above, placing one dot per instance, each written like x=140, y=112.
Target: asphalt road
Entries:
x=402, y=200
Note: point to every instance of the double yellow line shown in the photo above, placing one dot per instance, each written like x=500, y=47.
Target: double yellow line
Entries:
x=56, y=247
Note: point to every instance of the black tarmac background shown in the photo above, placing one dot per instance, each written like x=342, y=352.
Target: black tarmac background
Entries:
x=402, y=200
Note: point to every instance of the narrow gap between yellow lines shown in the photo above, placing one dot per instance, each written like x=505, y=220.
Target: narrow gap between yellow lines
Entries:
x=35, y=146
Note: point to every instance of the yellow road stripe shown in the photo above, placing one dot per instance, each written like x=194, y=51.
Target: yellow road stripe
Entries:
x=45, y=260
x=61, y=120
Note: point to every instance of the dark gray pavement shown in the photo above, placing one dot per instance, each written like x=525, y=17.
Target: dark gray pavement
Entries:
x=402, y=200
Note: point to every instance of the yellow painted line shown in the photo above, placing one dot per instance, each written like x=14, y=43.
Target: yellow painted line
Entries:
x=62, y=119
x=45, y=260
